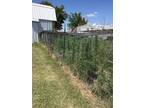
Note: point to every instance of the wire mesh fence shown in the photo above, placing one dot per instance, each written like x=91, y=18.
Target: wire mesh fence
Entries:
x=89, y=57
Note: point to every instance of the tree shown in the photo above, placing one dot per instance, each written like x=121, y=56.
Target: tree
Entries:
x=60, y=14
x=46, y=2
x=61, y=17
x=76, y=20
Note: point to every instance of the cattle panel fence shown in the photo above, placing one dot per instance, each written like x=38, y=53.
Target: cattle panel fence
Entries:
x=88, y=56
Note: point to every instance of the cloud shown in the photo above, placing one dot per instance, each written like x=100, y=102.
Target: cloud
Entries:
x=91, y=14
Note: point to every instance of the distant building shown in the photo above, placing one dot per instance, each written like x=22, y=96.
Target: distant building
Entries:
x=42, y=19
x=108, y=27
x=84, y=28
x=89, y=28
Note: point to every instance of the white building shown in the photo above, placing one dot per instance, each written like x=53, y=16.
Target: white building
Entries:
x=42, y=19
x=85, y=27
x=88, y=27
x=107, y=27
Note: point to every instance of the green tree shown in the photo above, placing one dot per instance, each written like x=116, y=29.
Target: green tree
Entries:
x=61, y=17
x=60, y=14
x=46, y=2
x=76, y=20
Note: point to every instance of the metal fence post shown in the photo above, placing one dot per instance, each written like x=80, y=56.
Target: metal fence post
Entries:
x=64, y=46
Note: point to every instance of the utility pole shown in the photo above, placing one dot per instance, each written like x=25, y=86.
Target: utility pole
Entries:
x=64, y=26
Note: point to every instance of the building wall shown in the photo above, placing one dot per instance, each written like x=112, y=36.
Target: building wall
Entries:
x=45, y=25
x=37, y=27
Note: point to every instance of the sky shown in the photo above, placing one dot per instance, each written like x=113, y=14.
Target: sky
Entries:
x=95, y=11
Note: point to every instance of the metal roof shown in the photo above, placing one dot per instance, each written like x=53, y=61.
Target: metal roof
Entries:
x=43, y=12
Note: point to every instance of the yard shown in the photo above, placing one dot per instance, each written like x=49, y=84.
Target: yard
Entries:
x=52, y=87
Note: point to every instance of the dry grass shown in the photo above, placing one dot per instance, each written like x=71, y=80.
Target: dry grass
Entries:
x=54, y=85
x=95, y=102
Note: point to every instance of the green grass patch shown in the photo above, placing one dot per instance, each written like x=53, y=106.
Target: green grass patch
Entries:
x=51, y=86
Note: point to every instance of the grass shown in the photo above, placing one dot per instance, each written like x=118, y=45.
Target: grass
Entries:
x=55, y=86
x=52, y=87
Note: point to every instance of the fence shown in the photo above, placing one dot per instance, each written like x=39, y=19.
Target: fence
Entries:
x=89, y=56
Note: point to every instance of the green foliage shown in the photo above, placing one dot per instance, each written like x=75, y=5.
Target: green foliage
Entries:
x=46, y=2
x=90, y=58
x=76, y=20
x=61, y=16
x=104, y=83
